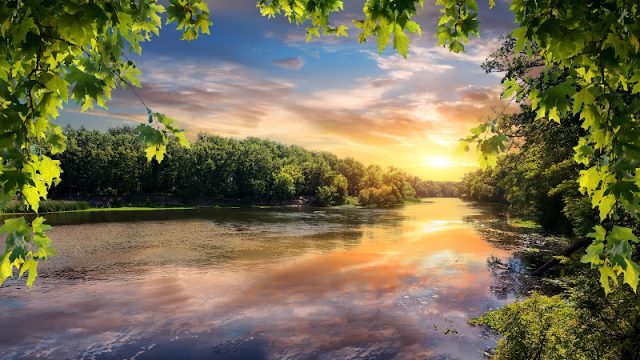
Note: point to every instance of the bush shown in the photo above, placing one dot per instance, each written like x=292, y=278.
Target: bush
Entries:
x=335, y=192
x=380, y=196
x=283, y=186
x=325, y=195
x=585, y=324
x=539, y=327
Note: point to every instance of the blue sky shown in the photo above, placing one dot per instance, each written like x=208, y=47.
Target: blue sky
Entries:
x=258, y=77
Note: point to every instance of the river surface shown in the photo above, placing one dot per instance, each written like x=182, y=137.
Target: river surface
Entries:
x=260, y=284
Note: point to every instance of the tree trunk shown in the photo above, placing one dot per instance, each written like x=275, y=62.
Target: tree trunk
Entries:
x=567, y=252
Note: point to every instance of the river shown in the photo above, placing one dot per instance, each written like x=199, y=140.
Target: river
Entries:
x=253, y=283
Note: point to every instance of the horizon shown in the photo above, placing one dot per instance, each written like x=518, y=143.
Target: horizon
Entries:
x=257, y=77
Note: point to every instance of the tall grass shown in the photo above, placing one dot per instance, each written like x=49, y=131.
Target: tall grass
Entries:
x=47, y=206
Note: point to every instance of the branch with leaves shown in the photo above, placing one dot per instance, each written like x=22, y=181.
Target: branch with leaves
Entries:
x=591, y=54
x=53, y=50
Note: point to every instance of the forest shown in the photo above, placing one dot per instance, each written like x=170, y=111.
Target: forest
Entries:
x=252, y=170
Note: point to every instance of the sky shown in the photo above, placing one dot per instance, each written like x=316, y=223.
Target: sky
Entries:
x=255, y=76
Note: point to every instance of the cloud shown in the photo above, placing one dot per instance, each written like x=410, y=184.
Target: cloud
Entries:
x=401, y=109
x=475, y=52
x=223, y=98
x=292, y=63
x=420, y=59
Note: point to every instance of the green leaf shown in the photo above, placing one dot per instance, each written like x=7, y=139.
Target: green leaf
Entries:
x=593, y=254
x=31, y=197
x=583, y=152
x=599, y=234
x=511, y=87
x=520, y=34
x=6, y=267
x=631, y=274
x=619, y=233
x=553, y=114
x=342, y=31
x=583, y=97
x=413, y=27
x=31, y=266
x=182, y=139
x=607, y=273
x=400, y=41
x=606, y=205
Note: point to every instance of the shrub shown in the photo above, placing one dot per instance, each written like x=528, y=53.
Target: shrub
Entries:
x=584, y=324
x=283, y=186
x=325, y=195
x=539, y=327
x=380, y=196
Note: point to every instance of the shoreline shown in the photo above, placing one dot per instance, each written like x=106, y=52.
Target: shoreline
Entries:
x=95, y=206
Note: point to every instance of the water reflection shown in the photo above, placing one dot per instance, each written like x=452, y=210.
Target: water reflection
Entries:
x=259, y=284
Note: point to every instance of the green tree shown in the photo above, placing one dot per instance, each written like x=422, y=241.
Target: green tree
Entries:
x=353, y=171
x=283, y=186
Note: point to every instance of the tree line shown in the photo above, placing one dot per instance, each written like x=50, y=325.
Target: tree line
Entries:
x=255, y=170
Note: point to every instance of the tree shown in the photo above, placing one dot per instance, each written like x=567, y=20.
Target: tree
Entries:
x=353, y=171
x=283, y=185
x=56, y=47
x=334, y=191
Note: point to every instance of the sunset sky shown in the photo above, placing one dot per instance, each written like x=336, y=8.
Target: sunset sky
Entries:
x=258, y=77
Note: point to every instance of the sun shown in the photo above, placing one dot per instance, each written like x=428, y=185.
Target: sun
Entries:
x=438, y=162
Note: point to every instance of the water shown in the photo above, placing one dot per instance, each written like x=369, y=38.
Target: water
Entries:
x=260, y=284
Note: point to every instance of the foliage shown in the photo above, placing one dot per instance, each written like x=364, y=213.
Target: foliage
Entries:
x=380, y=188
x=255, y=170
x=326, y=195
x=283, y=185
x=335, y=191
x=581, y=324
x=589, y=72
x=538, y=327
x=536, y=177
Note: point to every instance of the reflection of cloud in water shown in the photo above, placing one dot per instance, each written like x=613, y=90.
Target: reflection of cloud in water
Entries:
x=392, y=291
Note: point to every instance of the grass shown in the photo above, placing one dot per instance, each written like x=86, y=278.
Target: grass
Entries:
x=66, y=206
x=525, y=224
x=47, y=206
x=411, y=201
x=352, y=201
x=131, y=208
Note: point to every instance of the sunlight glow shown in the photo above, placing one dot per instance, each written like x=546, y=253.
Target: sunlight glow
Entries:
x=438, y=162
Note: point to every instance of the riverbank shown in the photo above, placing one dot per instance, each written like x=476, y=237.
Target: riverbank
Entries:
x=166, y=202
x=145, y=203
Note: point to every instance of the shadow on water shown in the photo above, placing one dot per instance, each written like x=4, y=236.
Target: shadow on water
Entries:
x=264, y=284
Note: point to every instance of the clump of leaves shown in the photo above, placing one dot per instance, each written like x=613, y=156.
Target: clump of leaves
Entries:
x=539, y=327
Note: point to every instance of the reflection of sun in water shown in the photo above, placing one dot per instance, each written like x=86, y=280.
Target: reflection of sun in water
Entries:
x=438, y=162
